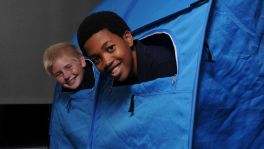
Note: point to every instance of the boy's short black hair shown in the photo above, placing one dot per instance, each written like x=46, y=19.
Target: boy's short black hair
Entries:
x=98, y=21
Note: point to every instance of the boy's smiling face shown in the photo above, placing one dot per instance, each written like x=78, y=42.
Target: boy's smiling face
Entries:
x=68, y=71
x=112, y=54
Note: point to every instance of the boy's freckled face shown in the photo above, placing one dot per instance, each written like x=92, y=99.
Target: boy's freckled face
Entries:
x=68, y=71
x=111, y=54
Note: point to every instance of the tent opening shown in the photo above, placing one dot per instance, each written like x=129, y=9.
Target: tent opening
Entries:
x=161, y=39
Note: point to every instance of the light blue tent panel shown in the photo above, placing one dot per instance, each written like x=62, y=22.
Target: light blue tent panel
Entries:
x=217, y=97
x=230, y=104
x=164, y=108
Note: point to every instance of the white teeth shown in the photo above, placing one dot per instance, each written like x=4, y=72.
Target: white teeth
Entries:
x=71, y=81
x=115, y=71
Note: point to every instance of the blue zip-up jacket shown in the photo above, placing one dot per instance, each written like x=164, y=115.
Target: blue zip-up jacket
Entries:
x=71, y=117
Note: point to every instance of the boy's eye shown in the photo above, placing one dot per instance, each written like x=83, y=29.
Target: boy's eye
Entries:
x=59, y=74
x=68, y=67
x=110, y=48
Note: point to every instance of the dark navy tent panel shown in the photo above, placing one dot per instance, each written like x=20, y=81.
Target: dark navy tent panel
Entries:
x=151, y=11
x=138, y=13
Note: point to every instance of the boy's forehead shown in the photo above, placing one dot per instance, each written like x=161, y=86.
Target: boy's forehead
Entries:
x=65, y=58
x=99, y=41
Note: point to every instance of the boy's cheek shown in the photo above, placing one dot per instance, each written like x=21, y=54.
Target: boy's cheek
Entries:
x=61, y=81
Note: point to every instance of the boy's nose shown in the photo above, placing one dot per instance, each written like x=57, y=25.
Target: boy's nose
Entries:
x=108, y=61
x=66, y=75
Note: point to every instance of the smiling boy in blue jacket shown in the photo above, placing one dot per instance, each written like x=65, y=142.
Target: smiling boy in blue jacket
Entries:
x=74, y=97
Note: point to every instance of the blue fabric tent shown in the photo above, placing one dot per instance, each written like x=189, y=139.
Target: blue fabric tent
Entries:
x=217, y=98
x=230, y=100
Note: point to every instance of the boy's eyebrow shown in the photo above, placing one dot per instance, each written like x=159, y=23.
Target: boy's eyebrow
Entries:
x=56, y=73
x=104, y=46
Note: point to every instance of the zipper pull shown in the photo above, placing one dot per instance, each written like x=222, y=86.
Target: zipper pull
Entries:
x=132, y=105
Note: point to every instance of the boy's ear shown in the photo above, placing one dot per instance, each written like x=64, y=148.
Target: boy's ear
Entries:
x=82, y=60
x=128, y=38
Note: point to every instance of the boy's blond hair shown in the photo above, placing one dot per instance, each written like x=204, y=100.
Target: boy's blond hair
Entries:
x=59, y=50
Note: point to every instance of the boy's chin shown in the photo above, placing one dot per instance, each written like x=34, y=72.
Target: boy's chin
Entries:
x=72, y=87
x=121, y=77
